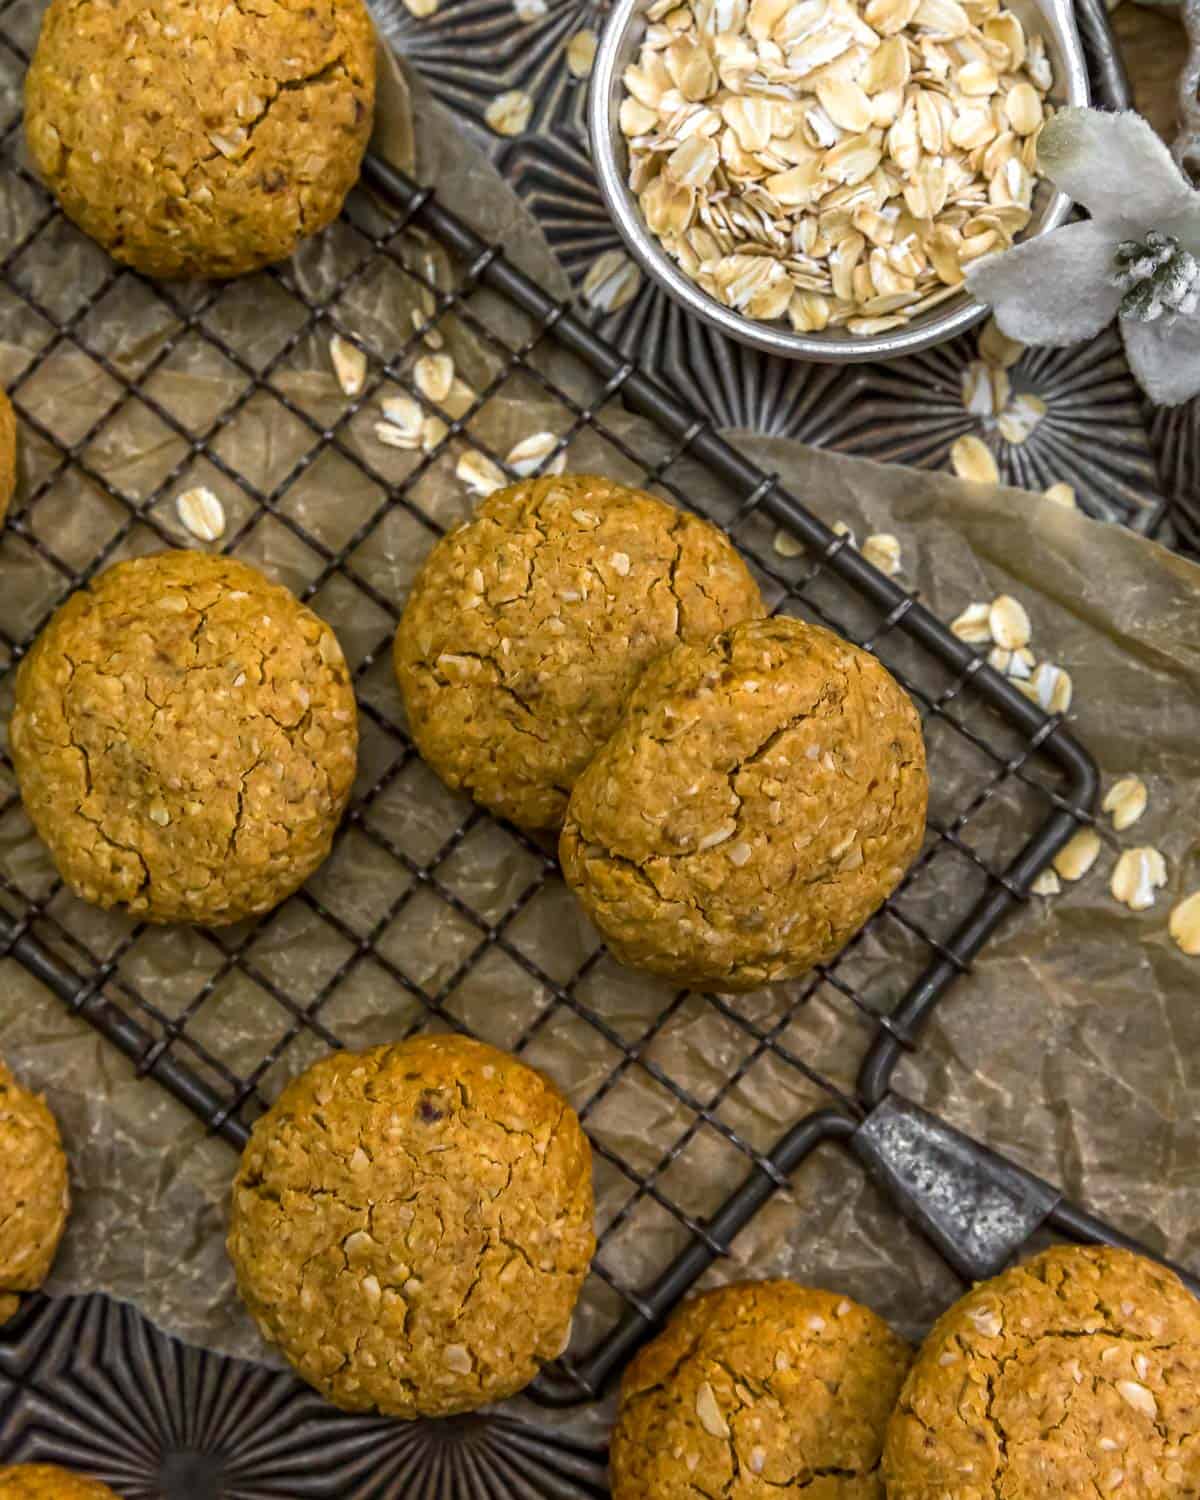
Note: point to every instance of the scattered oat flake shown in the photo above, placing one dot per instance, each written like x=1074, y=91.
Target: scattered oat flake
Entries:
x=1138, y=874
x=997, y=348
x=433, y=375
x=612, y=281
x=1050, y=688
x=1126, y=801
x=509, y=113
x=1062, y=494
x=1018, y=420
x=1009, y=623
x=841, y=529
x=392, y=436
x=422, y=9
x=972, y=459
x=1184, y=925
x=349, y=365
x=530, y=454
x=786, y=544
x=480, y=475
x=882, y=550
x=581, y=53
x=202, y=513
x=974, y=625
x=1078, y=854
x=1046, y=884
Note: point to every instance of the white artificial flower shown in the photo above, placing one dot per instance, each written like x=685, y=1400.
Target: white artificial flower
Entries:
x=1136, y=259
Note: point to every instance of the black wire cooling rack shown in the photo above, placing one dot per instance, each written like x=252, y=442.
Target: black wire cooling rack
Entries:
x=1021, y=784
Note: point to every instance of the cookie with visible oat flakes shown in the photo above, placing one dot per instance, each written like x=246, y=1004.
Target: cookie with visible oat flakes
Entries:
x=35, y=1197
x=762, y=795
x=184, y=736
x=49, y=1482
x=528, y=626
x=412, y=1225
x=759, y=1390
x=201, y=140
x=1075, y=1374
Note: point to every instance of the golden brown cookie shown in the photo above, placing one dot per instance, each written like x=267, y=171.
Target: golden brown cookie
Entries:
x=757, y=1391
x=34, y=1194
x=184, y=737
x=528, y=626
x=8, y=454
x=762, y=795
x=1077, y=1374
x=201, y=140
x=412, y=1225
x=49, y=1482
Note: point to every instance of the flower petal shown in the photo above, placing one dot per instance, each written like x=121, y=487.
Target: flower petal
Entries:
x=1054, y=289
x=1165, y=357
x=1117, y=167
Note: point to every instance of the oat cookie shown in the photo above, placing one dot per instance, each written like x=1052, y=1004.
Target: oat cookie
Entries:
x=49, y=1482
x=529, y=625
x=760, y=798
x=201, y=139
x=34, y=1195
x=184, y=737
x=8, y=454
x=1075, y=1374
x=757, y=1391
x=412, y=1225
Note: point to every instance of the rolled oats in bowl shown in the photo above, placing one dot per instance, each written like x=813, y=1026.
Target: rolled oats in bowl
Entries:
x=830, y=164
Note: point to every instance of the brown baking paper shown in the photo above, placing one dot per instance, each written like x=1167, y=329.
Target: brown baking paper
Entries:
x=1071, y=1047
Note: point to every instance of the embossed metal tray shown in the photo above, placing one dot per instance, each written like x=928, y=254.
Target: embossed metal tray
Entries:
x=93, y=1385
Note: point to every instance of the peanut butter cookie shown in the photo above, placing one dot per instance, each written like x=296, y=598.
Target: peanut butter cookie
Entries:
x=412, y=1225
x=762, y=795
x=8, y=454
x=185, y=737
x=49, y=1482
x=201, y=140
x=34, y=1196
x=1076, y=1374
x=528, y=626
x=757, y=1391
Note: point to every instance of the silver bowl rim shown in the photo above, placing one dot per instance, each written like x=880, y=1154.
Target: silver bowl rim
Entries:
x=959, y=314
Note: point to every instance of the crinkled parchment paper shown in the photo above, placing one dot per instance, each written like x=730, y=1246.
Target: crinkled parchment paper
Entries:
x=1074, y=1046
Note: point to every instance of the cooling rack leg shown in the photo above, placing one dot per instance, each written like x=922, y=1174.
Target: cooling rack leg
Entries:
x=977, y=1208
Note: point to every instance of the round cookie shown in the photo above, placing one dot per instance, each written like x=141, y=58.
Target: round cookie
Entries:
x=49, y=1482
x=201, y=140
x=8, y=454
x=528, y=626
x=185, y=737
x=760, y=798
x=34, y=1193
x=1075, y=1374
x=412, y=1225
x=758, y=1390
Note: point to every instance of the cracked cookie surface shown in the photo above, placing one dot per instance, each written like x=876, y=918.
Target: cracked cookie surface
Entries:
x=201, y=139
x=1077, y=1374
x=760, y=798
x=49, y=1482
x=528, y=626
x=758, y=1390
x=184, y=737
x=8, y=454
x=34, y=1193
x=412, y=1225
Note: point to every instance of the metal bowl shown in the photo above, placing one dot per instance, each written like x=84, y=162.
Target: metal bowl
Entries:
x=619, y=44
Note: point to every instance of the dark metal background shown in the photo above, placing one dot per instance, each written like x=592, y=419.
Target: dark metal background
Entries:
x=78, y=1375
